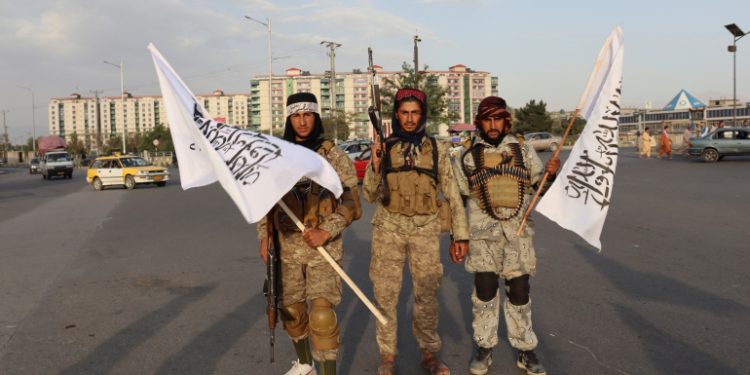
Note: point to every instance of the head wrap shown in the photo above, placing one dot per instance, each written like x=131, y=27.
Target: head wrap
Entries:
x=492, y=106
x=303, y=102
x=410, y=94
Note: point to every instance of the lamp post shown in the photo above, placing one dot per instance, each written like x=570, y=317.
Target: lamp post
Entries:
x=738, y=34
x=122, y=103
x=33, y=117
x=417, y=39
x=332, y=54
x=267, y=24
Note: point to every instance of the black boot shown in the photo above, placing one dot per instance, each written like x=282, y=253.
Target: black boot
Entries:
x=527, y=361
x=302, y=347
x=328, y=368
x=481, y=362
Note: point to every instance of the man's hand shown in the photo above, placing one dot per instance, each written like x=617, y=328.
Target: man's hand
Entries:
x=376, y=155
x=552, y=165
x=263, y=251
x=458, y=250
x=315, y=237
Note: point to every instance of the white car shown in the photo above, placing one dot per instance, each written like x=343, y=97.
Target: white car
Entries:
x=56, y=163
x=353, y=149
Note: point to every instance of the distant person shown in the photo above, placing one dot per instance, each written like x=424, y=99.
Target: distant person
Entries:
x=646, y=144
x=665, y=145
x=686, y=141
x=721, y=124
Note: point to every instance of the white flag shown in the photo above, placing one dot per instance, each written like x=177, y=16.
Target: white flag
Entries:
x=255, y=169
x=579, y=198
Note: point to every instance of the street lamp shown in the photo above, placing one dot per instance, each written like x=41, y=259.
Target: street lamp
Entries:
x=332, y=89
x=267, y=24
x=121, y=66
x=33, y=117
x=738, y=34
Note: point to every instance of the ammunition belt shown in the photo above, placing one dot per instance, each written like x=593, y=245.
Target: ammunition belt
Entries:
x=479, y=179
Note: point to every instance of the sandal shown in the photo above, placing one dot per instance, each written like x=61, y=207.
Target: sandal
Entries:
x=387, y=366
x=434, y=365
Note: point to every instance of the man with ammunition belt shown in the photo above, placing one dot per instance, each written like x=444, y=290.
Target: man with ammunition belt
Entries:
x=306, y=277
x=403, y=180
x=499, y=175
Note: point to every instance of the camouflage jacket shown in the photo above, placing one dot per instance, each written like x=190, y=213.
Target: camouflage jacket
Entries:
x=334, y=223
x=427, y=225
x=483, y=226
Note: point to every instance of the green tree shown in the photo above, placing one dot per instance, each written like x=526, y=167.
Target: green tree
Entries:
x=160, y=132
x=341, y=122
x=532, y=118
x=113, y=143
x=437, y=103
x=75, y=145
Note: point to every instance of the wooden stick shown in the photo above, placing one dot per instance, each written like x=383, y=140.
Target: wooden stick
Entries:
x=338, y=268
x=546, y=174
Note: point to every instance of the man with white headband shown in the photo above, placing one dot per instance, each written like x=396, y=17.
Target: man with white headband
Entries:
x=310, y=288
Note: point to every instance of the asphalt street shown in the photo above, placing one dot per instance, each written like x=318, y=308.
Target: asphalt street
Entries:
x=165, y=281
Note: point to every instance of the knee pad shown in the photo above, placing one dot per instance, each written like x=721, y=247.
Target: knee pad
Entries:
x=517, y=289
x=486, y=285
x=323, y=326
x=295, y=319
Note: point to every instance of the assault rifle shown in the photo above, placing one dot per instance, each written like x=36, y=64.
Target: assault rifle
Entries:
x=270, y=287
x=377, y=123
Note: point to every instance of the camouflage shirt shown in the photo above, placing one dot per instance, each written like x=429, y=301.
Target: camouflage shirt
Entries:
x=427, y=225
x=334, y=223
x=482, y=225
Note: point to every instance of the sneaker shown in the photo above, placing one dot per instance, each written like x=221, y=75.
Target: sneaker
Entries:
x=481, y=362
x=301, y=369
x=527, y=361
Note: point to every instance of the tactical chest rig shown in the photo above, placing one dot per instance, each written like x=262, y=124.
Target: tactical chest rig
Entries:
x=498, y=180
x=307, y=200
x=411, y=179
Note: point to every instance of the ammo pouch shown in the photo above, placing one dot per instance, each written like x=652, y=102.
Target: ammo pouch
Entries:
x=309, y=202
x=412, y=193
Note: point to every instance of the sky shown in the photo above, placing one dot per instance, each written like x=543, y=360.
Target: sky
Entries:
x=540, y=50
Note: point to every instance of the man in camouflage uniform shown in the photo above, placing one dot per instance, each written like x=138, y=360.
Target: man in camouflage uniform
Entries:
x=499, y=175
x=406, y=225
x=306, y=277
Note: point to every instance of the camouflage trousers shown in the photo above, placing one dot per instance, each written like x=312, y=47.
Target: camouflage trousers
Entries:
x=305, y=276
x=389, y=250
x=517, y=320
x=509, y=258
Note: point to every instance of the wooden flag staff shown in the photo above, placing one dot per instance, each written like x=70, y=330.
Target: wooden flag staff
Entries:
x=336, y=267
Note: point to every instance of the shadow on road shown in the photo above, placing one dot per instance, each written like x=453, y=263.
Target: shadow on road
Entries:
x=104, y=358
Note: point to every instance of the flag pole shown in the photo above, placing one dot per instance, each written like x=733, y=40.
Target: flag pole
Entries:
x=546, y=174
x=336, y=267
x=584, y=96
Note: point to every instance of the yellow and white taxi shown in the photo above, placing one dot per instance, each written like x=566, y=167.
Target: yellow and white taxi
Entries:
x=125, y=170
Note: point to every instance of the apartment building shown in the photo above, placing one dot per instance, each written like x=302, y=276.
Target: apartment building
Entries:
x=465, y=89
x=94, y=119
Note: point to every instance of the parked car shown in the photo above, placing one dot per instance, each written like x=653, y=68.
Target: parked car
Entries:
x=720, y=143
x=34, y=166
x=354, y=148
x=543, y=141
x=125, y=170
x=361, y=162
x=56, y=162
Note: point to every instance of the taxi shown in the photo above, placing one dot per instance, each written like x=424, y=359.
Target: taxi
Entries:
x=126, y=170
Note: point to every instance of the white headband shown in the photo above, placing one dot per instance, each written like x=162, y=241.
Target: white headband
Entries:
x=301, y=107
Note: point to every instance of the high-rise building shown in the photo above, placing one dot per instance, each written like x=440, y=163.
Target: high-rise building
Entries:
x=79, y=115
x=465, y=88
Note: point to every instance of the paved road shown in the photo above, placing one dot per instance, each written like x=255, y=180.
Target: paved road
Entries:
x=165, y=281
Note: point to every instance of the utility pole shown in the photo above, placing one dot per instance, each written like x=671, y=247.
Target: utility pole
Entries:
x=416, y=61
x=121, y=65
x=98, y=120
x=267, y=24
x=5, y=138
x=332, y=54
x=33, y=116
